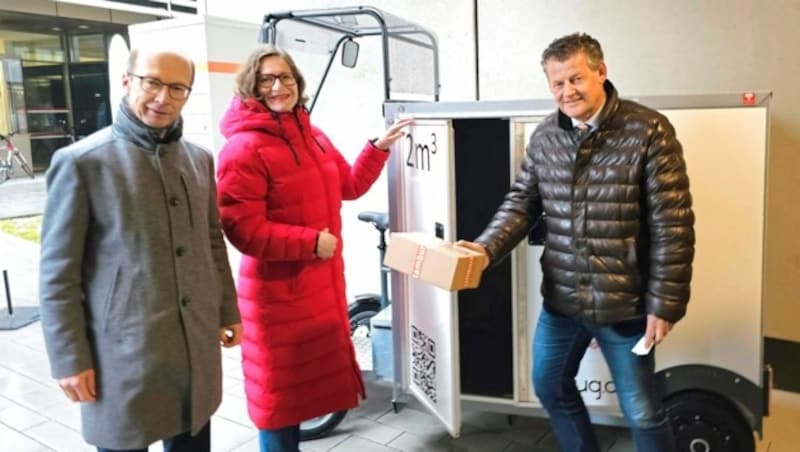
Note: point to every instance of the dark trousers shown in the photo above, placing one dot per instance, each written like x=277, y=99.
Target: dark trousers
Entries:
x=183, y=442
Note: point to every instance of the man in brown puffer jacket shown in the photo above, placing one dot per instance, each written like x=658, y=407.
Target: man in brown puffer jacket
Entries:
x=608, y=176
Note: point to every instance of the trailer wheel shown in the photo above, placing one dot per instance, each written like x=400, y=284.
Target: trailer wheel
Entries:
x=361, y=331
x=321, y=425
x=705, y=422
x=361, y=311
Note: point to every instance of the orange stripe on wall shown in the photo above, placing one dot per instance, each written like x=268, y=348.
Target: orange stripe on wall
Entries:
x=219, y=67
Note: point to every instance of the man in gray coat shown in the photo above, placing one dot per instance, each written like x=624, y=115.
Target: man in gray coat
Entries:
x=136, y=290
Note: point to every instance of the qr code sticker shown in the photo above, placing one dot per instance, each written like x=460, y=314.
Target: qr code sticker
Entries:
x=423, y=362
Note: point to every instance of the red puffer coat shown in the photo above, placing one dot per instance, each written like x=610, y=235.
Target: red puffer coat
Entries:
x=281, y=181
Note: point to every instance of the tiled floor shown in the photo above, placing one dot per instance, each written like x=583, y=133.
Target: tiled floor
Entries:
x=35, y=416
x=22, y=196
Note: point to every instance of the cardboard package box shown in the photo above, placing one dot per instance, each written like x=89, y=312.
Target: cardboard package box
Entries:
x=434, y=260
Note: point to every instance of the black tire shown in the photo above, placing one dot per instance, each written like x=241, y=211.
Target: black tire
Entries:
x=320, y=426
x=24, y=165
x=360, y=315
x=706, y=422
x=361, y=331
x=364, y=302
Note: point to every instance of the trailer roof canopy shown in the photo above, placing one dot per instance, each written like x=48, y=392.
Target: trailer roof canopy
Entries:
x=409, y=51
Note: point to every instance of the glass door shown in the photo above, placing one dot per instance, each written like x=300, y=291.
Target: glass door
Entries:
x=46, y=94
x=88, y=70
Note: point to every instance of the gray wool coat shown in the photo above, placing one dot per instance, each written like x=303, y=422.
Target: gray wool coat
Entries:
x=135, y=281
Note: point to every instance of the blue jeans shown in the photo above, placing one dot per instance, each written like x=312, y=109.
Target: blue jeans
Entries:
x=558, y=347
x=285, y=439
x=184, y=442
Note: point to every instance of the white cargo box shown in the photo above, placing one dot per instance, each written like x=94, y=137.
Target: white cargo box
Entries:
x=473, y=348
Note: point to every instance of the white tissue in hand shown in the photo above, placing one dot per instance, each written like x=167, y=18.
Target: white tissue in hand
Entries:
x=640, y=348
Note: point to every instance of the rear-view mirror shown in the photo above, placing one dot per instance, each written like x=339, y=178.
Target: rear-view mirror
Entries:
x=349, y=53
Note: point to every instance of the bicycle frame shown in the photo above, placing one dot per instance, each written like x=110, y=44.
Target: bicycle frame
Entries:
x=12, y=154
x=5, y=161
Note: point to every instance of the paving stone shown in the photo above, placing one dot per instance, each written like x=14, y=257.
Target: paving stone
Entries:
x=15, y=441
x=410, y=442
x=20, y=418
x=58, y=437
x=26, y=387
x=227, y=435
x=369, y=429
x=355, y=443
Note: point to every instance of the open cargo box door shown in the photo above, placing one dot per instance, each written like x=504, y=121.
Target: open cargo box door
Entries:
x=593, y=379
x=428, y=321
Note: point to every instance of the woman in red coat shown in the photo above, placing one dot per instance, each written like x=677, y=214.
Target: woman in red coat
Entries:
x=281, y=186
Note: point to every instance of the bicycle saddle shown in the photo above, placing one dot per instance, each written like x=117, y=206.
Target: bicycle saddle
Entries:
x=379, y=219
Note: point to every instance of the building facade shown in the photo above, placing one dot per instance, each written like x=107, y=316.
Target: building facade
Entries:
x=54, y=79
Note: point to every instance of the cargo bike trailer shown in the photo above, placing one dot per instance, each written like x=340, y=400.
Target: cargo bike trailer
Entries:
x=471, y=350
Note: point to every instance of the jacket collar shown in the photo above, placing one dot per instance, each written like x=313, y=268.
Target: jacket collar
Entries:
x=609, y=108
x=252, y=115
x=128, y=126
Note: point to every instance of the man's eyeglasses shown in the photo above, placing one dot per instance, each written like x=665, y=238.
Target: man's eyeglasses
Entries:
x=177, y=91
x=267, y=80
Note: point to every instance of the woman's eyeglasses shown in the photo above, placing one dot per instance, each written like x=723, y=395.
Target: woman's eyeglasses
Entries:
x=267, y=80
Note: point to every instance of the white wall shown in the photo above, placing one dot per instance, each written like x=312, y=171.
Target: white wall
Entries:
x=652, y=47
x=677, y=47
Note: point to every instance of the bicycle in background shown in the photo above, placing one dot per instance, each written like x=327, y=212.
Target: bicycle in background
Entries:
x=12, y=157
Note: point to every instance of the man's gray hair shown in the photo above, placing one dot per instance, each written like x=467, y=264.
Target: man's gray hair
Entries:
x=565, y=47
